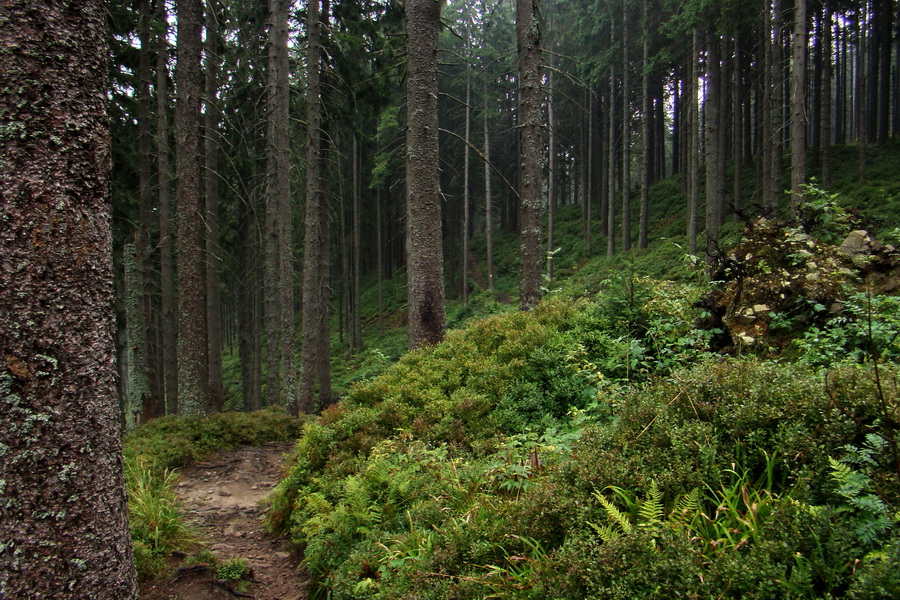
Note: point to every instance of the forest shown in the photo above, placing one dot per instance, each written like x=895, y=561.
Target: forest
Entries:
x=541, y=299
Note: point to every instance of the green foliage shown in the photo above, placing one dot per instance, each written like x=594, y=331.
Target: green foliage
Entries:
x=175, y=441
x=867, y=327
x=868, y=513
x=157, y=526
x=233, y=569
x=154, y=450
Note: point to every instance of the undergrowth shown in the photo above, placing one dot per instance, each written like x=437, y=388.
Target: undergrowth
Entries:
x=598, y=448
x=154, y=451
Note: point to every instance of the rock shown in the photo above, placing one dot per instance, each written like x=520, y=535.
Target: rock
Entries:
x=224, y=492
x=746, y=339
x=855, y=243
x=760, y=308
x=284, y=555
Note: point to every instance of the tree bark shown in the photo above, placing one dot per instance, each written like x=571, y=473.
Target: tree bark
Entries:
x=138, y=388
x=645, y=127
x=693, y=152
x=827, y=74
x=425, y=268
x=626, y=135
x=193, y=394
x=144, y=256
x=528, y=41
x=553, y=166
x=712, y=110
x=211, y=176
x=488, y=199
x=315, y=286
x=64, y=527
x=166, y=235
x=611, y=157
x=798, y=107
x=281, y=376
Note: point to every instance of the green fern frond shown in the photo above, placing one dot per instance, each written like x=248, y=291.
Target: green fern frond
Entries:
x=607, y=532
x=615, y=515
x=687, y=508
x=651, y=510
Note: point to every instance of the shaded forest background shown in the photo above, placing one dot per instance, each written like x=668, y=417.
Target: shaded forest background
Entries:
x=658, y=118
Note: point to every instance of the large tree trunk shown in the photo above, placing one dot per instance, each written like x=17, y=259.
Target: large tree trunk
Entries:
x=712, y=110
x=528, y=38
x=148, y=352
x=281, y=374
x=314, y=286
x=211, y=183
x=424, y=263
x=169, y=319
x=138, y=385
x=64, y=525
x=193, y=396
x=798, y=107
x=693, y=150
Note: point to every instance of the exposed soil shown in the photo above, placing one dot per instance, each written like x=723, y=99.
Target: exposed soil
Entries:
x=221, y=499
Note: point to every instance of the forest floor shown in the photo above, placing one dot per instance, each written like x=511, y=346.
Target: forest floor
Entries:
x=221, y=498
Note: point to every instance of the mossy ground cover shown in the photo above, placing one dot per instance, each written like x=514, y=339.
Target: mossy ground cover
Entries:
x=598, y=447
x=487, y=466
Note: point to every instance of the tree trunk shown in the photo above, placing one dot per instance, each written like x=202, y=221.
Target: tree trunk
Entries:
x=424, y=257
x=553, y=182
x=771, y=154
x=166, y=237
x=626, y=135
x=712, y=110
x=738, y=128
x=357, y=233
x=315, y=282
x=155, y=406
x=488, y=199
x=647, y=149
x=528, y=38
x=464, y=263
x=611, y=158
x=138, y=388
x=588, y=168
x=798, y=107
x=65, y=524
x=211, y=176
x=885, y=23
x=192, y=355
x=694, y=143
x=827, y=73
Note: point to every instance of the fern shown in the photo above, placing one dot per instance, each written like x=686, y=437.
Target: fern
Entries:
x=687, y=509
x=870, y=514
x=651, y=510
x=620, y=522
x=614, y=514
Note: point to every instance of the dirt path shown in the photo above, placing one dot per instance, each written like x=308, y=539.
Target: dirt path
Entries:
x=221, y=499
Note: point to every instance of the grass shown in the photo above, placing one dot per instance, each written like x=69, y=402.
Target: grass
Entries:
x=153, y=453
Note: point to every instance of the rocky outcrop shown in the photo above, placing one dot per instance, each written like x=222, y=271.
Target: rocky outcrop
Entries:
x=780, y=280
